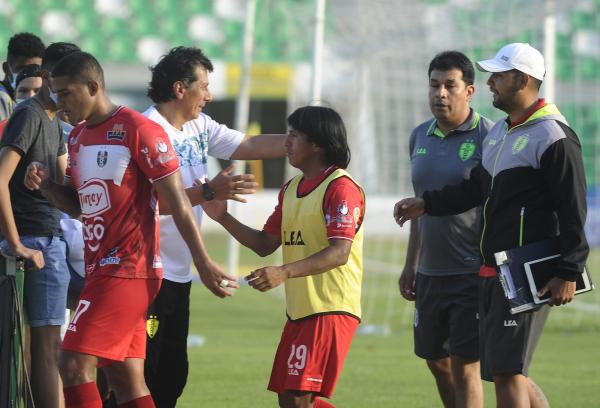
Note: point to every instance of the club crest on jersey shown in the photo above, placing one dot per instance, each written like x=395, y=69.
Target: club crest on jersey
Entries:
x=102, y=158
x=117, y=133
x=520, y=144
x=152, y=326
x=293, y=238
x=466, y=150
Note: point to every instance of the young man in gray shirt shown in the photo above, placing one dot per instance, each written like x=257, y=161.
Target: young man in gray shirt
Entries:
x=30, y=226
x=442, y=262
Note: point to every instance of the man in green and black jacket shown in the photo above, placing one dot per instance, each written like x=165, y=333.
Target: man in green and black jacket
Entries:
x=531, y=185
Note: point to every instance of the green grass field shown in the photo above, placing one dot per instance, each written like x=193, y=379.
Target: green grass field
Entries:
x=232, y=367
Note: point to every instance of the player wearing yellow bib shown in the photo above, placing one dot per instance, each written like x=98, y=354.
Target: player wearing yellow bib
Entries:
x=317, y=221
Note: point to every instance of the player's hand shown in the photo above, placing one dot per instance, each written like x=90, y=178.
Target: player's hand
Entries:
x=215, y=209
x=407, y=283
x=227, y=187
x=408, y=209
x=562, y=291
x=266, y=278
x=35, y=175
x=34, y=256
x=215, y=279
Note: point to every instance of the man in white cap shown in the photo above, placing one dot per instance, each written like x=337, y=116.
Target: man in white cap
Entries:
x=531, y=184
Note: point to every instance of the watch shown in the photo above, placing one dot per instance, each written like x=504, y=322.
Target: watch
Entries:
x=207, y=192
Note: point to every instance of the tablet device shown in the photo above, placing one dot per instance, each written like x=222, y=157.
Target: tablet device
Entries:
x=540, y=271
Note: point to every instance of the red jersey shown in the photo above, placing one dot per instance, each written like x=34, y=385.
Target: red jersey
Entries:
x=112, y=166
x=2, y=126
x=342, y=194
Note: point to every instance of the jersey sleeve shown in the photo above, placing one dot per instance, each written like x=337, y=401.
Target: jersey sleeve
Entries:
x=344, y=208
x=153, y=152
x=273, y=224
x=222, y=141
x=22, y=130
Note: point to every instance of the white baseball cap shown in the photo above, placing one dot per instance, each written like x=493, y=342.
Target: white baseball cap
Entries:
x=520, y=56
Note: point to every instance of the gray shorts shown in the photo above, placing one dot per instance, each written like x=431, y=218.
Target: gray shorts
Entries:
x=445, y=322
x=507, y=341
x=45, y=292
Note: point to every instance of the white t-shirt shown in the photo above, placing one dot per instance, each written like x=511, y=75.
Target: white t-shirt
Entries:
x=198, y=139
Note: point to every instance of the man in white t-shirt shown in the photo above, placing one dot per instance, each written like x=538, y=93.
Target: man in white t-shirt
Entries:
x=179, y=89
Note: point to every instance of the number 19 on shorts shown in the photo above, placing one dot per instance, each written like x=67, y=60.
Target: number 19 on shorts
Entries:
x=297, y=359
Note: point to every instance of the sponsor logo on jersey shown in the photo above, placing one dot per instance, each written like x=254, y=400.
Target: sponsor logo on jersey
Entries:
x=93, y=198
x=163, y=158
x=152, y=326
x=117, y=133
x=110, y=260
x=161, y=146
x=466, y=150
x=102, y=158
x=492, y=142
x=421, y=151
x=356, y=214
x=93, y=232
x=510, y=323
x=293, y=238
x=342, y=218
x=156, y=262
x=343, y=208
x=520, y=144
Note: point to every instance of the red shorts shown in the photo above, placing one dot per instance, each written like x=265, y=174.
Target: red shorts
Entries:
x=311, y=354
x=110, y=319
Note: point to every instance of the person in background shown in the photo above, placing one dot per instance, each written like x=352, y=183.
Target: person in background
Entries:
x=180, y=90
x=531, y=183
x=23, y=49
x=440, y=272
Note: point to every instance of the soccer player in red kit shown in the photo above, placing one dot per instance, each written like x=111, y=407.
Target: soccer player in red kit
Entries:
x=120, y=164
x=317, y=222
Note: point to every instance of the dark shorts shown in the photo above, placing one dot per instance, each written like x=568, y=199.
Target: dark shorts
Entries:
x=445, y=321
x=507, y=341
x=167, y=324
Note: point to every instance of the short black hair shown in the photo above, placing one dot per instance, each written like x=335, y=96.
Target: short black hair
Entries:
x=57, y=51
x=448, y=60
x=81, y=67
x=325, y=128
x=178, y=65
x=25, y=45
x=29, y=71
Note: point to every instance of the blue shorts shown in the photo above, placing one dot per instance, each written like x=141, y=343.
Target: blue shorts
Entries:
x=45, y=293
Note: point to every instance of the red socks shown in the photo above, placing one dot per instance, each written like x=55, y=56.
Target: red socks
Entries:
x=319, y=403
x=87, y=396
x=82, y=396
x=142, y=402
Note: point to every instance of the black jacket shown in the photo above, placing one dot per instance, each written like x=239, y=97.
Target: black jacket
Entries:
x=531, y=184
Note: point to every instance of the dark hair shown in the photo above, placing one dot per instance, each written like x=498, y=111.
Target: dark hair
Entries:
x=29, y=71
x=448, y=60
x=178, y=65
x=79, y=66
x=57, y=51
x=25, y=45
x=323, y=127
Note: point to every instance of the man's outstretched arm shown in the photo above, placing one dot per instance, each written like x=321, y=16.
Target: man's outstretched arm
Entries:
x=170, y=192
